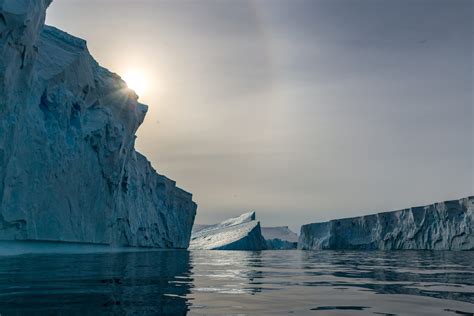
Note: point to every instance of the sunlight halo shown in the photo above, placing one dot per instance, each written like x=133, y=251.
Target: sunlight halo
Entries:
x=136, y=81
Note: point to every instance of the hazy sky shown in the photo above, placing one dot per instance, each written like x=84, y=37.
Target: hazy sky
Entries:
x=301, y=110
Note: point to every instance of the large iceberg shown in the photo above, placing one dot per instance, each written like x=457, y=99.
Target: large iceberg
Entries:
x=441, y=226
x=68, y=168
x=239, y=233
x=280, y=238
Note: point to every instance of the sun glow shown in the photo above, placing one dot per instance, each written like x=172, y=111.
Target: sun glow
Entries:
x=136, y=81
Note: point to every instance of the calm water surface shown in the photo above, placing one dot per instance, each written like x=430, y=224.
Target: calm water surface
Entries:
x=239, y=283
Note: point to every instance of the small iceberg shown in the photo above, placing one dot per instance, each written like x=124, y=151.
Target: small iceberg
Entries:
x=239, y=233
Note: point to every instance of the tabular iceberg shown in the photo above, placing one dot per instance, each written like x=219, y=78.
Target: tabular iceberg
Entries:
x=280, y=238
x=239, y=233
x=68, y=168
x=441, y=226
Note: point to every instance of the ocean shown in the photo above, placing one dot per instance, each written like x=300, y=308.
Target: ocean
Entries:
x=180, y=282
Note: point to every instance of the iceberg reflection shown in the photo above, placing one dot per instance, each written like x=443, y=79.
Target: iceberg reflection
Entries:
x=155, y=282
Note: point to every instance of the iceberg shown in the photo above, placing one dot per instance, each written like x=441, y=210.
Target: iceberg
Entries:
x=69, y=171
x=198, y=227
x=239, y=233
x=446, y=225
x=280, y=238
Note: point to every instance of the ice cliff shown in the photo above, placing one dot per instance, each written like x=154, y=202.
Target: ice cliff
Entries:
x=239, y=233
x=441, y=226
x=68, y=168
x=280, y=238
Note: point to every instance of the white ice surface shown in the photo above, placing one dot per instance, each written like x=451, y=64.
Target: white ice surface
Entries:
x=239, y=233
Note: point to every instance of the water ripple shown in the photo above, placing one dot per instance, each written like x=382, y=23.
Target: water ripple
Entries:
x=239, y=283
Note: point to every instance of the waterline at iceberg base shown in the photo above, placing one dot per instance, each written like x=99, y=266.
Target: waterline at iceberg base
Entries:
x=69, y=171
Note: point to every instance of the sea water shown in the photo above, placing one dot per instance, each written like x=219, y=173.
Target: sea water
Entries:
x=179, y=282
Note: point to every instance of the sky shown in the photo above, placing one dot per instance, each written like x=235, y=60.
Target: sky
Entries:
x=303, y=111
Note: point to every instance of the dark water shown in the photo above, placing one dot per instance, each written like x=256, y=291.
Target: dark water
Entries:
x=239, y=283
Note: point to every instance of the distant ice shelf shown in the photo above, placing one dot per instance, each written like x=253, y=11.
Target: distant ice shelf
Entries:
x=446, y=225
x=280, y=238
x=239, y=233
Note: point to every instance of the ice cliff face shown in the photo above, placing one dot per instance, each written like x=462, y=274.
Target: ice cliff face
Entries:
x=441, y=226
x=280, y=238
x=240, y=233
x=68, y=168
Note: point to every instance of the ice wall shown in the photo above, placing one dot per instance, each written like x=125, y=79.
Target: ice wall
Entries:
x=441, y=226
x=68, y=168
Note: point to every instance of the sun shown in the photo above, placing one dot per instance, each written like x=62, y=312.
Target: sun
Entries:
x=136, y=81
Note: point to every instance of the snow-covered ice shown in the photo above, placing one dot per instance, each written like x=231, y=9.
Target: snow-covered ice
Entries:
x=239, y=233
